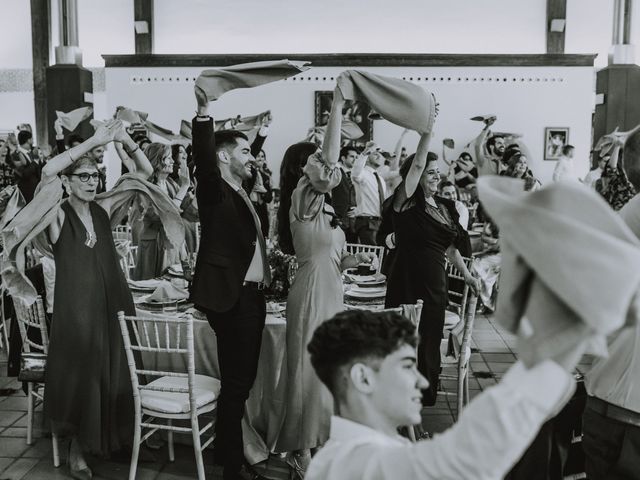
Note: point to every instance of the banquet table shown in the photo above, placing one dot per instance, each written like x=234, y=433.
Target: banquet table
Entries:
x=265, y=406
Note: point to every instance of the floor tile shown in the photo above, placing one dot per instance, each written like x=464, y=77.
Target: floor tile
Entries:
x=9, y=417
x=12, y=447
x=19, y=469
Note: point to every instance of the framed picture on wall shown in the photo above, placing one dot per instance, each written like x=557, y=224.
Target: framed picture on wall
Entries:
x=354, y=111
x=554, y=139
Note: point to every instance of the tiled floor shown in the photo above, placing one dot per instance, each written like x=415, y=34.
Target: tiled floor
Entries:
x=492, y=354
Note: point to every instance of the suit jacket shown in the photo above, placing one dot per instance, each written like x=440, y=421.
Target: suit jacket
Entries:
x=343, y=197
x=228, y=238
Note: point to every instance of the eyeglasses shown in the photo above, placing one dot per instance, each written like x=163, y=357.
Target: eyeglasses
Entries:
x=84, y=177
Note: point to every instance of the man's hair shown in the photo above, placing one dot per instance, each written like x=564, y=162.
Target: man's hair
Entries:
x=24, y=136
x=631, y=159
x=492, y=141
x=74, y=138
x=228, y=138
x=356, y=335
x=447, y=183
x=566, y=149
x=344, y=151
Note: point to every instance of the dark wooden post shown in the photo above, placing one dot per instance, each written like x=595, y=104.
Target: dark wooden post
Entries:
x=556, y=9
x=143, y=12
x=40, y=41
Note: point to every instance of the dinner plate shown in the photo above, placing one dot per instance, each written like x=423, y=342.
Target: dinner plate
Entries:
x=273, y=307
x=144, y=285
x=144, y=300
x=360, y=292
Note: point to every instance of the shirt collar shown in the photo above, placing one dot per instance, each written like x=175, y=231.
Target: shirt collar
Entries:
x=343, y=430
x=235, y=187
x=20, y=149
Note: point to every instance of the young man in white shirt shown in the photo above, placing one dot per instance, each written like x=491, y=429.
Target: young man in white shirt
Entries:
x=370, y=194
x=368, y=362
x=564, y=167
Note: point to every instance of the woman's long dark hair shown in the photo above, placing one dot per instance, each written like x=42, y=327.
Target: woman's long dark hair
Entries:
x=293, y=161
x=418, y=196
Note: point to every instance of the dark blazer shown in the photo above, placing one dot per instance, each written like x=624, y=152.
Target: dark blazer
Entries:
x=343, y=196
x=229, y=234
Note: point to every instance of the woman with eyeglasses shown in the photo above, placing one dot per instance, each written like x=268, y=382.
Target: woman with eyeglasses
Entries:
x=89, y=397
x=426, y=230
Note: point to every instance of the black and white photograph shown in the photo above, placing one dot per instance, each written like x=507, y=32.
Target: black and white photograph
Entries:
x=554, y=139
x=320, y=240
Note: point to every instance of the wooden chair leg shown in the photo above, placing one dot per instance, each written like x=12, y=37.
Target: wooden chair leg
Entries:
x=466, y=387
x=460, y=392
x=56, y=450
x=412, y=434
x=135, y=451
x=172, y=455
x=197, y=447
x=29, y=413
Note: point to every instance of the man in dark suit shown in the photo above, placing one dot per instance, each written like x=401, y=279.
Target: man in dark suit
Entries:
x=231, y=272
x=343, y=196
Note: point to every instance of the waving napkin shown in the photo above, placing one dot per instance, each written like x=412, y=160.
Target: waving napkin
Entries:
x=396, y=100
x=569, y=265
x=185, y=129
x=72, y=119
x=132, y=116
x=167, y=292
x=217, y=81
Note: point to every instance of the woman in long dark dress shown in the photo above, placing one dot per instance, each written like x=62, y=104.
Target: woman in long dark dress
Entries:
x=88, y=387
x=426, y=230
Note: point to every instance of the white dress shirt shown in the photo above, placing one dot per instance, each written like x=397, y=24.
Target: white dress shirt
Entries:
x=564, y=170
x=616, y=379
x=367, y=195
x=463, y=211
x=256, y=268
x=489, y=438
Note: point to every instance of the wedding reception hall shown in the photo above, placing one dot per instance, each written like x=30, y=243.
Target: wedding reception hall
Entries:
x=336, y=240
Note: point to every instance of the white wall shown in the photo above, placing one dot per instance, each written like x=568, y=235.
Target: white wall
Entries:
x=539, y=97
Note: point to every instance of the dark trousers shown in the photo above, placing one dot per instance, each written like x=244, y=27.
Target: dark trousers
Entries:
x=612, y=448
x=367, y=229
x=239, y=336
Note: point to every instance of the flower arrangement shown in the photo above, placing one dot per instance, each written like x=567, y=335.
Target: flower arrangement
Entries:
x=283, y=268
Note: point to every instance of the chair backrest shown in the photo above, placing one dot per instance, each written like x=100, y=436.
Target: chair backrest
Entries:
x=461, y=333
x=32, y=316
x=158, y=335
x=353, y=248
x=457, y=298
x=198, y=235
x=122, y=232
x=410, y=311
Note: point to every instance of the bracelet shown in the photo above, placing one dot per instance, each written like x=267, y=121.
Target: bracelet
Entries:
x=134, y=150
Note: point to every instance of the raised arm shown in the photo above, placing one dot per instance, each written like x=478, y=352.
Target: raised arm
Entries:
x=207, y=173
x=395, y=163
x=258, y=142
x=57, y=126
x=331, y=145
x=418, y=165
x=103, y=135
x=131, y=154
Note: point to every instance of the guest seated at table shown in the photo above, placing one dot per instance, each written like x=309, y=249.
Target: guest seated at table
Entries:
x=190, y=215
x=308, y=228
x=154, y=253
x=449, y=191
x=486, y=266
x=368, y=362
x=598, y=165
x=517, y=168
x=465, y=171
x=426, y=230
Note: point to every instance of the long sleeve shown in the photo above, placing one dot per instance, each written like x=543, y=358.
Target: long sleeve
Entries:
x=488, y=439
x=207, y=172
x=60, y=146
x=258, y=142
x=318, y=179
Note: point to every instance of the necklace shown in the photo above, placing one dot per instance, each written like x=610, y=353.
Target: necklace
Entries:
x=91, y=240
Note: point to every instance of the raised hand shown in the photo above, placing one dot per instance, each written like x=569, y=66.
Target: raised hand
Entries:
x=57, y=126
x=105, y=132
